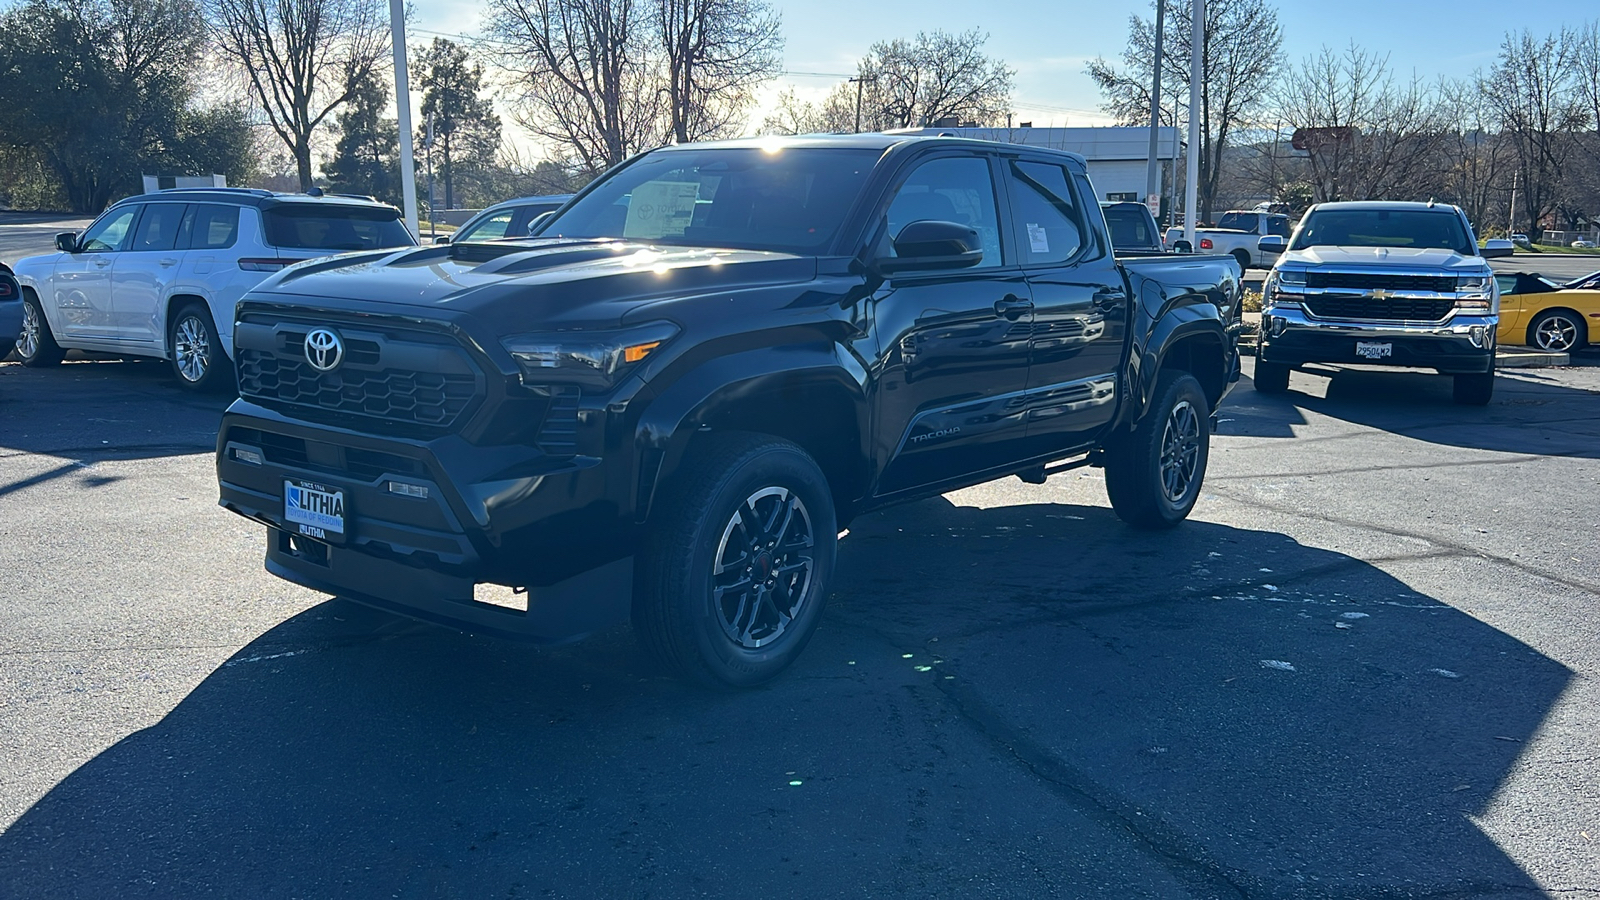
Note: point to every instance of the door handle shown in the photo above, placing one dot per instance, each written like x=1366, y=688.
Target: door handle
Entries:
x=1012, y=307
x=168, y=262
x=1108, y=299
x=101, y=262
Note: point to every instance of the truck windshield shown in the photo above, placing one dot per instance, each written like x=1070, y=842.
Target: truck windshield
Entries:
x=789, y=201
x=1414, y=229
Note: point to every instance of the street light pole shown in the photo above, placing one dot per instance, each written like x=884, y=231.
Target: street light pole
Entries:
x=1152, y=174
x=858, y=81
x=402, y=105
x=1191, y=192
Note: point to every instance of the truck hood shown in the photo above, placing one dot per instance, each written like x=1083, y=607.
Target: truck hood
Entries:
x=1382, y=256
x=533, y=283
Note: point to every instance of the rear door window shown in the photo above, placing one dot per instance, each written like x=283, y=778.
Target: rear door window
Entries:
x=158, y=227
x=1050, y=223
x=211, y=226
x=315, y=226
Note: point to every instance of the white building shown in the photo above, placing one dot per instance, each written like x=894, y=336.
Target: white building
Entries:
x=1117, y=157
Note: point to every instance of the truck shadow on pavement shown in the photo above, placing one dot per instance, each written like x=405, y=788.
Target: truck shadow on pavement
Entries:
x=1032, y=698
x=1531, y=412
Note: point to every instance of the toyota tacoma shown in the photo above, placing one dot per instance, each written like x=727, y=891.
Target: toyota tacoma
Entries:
x=668, y=403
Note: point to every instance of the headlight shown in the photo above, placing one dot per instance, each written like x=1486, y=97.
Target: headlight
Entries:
x=593, y=358
x=1474, y=293
x=1283, y=287
x=1290, y=277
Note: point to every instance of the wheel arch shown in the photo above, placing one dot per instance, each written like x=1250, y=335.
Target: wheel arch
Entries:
x=818, y=402
x=176, y=303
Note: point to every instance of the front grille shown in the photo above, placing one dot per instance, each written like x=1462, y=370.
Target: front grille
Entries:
x=420, y=398
x=1392, y=309
x=1370, y=281
x=318, y=456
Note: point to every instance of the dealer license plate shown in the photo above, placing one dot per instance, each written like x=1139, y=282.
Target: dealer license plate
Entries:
x=314, y=510
x=1374, y=349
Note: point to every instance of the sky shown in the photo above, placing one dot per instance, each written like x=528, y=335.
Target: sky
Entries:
x=1049, y=44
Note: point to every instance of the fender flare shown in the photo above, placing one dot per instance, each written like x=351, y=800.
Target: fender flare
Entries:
x=689, y=404
x=1175, y=325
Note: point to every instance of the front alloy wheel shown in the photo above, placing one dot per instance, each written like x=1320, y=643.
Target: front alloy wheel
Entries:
x=763, y=567
x=36, y=345
x=1555, y=332
x=733, y=574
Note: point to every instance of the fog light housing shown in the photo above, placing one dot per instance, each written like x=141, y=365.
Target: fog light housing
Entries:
x=247, y=456
x=1478, y=335
x=419, y=491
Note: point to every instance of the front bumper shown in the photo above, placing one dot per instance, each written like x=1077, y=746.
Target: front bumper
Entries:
x=1461, y=345
x=466, y=515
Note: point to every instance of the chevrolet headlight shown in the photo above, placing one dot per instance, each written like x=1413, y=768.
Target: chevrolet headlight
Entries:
x=593, y=358
x=1283, y=287
x=1474, y=293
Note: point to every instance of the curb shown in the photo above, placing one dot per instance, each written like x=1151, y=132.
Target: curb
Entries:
x=1529, y=359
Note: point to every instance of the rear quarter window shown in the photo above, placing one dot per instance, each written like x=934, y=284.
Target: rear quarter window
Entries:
x=319, y=227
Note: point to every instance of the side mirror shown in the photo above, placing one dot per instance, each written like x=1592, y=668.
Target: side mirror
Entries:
x=1273, y=244
x=1497, y=247
x=442, y=239
x=538, y=221
x=1182, y=246
x=931, y=245
x=67, y=242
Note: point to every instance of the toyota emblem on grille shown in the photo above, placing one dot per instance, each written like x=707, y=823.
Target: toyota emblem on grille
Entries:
x=324, y=350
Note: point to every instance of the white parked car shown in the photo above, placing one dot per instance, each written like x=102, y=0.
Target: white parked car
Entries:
x=159, y=274
x=1583, y=245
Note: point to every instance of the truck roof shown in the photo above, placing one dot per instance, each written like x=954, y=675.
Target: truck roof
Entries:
x=1382, y=204
x=867, y=141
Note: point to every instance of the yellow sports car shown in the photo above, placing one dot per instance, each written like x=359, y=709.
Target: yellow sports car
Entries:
x=1540, y=313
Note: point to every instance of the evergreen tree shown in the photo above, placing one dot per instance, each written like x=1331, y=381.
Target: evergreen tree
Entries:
x=367, y=158
x=466, y=130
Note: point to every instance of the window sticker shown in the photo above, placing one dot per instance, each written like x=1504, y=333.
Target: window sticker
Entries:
x=1037, y=239
x=660, y=209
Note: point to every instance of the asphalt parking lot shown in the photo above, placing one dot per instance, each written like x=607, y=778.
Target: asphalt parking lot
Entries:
x=1367, y=668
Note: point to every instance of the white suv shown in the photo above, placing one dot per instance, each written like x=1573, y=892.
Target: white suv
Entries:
x=159, y=274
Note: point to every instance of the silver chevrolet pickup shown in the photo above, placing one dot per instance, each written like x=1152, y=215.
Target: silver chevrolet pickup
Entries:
x=1381, y=283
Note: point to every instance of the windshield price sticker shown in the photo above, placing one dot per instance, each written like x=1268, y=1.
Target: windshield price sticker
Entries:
x=660, y=209
x=1374, y=349
x=316, y=511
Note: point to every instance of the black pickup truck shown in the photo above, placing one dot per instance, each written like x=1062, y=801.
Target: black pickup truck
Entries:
x=670, y=401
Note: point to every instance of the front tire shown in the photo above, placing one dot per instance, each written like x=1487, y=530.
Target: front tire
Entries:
x=1556, y=331
x=1473, y=390
x=1154, y=474
x=197, y=357
x=736, y=565
x=1271, y=378
x=36, y=344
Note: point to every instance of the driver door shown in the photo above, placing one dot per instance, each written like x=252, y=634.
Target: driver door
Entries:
x=954, y=343
x=80, y=287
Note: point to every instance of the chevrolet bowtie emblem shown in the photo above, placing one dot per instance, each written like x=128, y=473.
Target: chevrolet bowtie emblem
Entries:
x=1380, y=294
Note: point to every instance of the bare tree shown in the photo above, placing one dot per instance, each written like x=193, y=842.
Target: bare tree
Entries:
x=1387, y=138
x=303, y=59
x=1479, y=158
x=792, y=115
x=1241, y=51
x=589, y=83
x=933, y=77
x=1531, y=91
x=715, y=53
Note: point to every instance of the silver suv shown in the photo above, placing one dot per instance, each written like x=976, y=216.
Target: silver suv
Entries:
x=159, y=274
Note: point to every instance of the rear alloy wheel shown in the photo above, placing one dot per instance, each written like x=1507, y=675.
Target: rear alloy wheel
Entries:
x=1556, y=331
x=735, y=569
x=197, y=357
x=1271, y=378
x=36, y=344
x=1154, y=473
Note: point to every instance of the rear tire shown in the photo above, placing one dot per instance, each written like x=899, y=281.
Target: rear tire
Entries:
x=1243, y=258
x=1271, y=378
x=1474, y=390
x=736, y=565
x=36, y=344
x=1154, y=473
x=197, y=358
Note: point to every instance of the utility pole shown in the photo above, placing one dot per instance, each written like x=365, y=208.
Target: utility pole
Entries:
x=1152, y=175
x=1191, y=212
x=402, y=105
x=1511, y=213
x=858, y=81
x=1172, y=170
x=427, y=156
